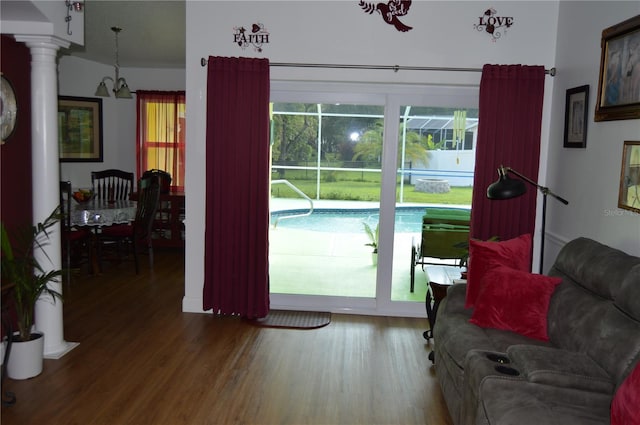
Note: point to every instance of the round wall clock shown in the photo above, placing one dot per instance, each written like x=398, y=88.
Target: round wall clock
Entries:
x=8, y=108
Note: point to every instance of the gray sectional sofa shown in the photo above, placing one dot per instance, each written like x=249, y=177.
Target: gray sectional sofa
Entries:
x=492, y=376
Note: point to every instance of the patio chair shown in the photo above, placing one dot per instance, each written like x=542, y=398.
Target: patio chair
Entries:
x=445, y=231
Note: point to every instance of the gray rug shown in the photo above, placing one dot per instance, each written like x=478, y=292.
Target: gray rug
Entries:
x=294, y=319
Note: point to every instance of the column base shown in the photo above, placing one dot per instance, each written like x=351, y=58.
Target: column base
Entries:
x=60, y=351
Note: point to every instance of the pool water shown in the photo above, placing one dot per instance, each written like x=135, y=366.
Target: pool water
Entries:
x=408, y=220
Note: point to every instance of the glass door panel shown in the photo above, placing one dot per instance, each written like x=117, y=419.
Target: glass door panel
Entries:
x=436, y=156
x=330, y=153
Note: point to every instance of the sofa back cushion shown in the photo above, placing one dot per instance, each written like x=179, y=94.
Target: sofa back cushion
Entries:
x=629, y=293
x=596, y=308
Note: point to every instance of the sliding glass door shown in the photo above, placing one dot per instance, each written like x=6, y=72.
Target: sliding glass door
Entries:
x=353, y=155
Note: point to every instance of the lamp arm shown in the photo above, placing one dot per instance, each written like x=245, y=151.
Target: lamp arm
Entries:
x=545, y=190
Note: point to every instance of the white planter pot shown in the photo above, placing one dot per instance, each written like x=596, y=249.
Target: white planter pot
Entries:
x=26, y=358
x=374, y=258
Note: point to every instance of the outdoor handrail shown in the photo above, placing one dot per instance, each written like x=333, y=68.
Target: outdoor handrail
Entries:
x=299, y=192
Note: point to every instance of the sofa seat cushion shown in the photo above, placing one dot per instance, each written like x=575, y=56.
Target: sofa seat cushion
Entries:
x=455, y=336
x=561, y=368
x=508, y=402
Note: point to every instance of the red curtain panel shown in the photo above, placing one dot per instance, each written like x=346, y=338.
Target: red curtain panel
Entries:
x=236, y=280
x=509, y=127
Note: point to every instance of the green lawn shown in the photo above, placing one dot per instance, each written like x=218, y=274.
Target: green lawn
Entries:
x=365, y=186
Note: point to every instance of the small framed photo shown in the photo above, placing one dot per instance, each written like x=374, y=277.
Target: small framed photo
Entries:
x=619, y=81
x=629, y=194
x=575, y=117
x=80, y=129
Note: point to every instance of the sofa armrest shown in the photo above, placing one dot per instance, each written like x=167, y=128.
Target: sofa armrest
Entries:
x=456, y=295
x=560, y=368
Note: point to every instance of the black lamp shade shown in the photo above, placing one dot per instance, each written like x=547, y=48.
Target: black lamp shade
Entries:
x=506, y=188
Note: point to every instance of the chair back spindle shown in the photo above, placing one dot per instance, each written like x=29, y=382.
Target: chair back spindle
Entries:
x=112, y=185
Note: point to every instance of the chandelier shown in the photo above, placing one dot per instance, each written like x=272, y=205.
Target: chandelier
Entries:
x=120, y=87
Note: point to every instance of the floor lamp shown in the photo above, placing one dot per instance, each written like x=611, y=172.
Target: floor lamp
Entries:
x=506, y=188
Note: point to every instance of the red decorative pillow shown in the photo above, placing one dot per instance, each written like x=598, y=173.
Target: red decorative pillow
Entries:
x=624, y=407
x=516, y=301
x=483, y=256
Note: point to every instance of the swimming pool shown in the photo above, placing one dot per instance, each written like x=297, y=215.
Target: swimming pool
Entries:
x=408, y=219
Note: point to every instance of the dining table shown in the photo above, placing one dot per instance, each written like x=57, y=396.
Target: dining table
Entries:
x=101, y=212
x=98, y=213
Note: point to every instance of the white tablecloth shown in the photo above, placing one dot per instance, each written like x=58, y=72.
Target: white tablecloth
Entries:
x=102, y=213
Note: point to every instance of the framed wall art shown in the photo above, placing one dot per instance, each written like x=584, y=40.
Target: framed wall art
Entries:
x=80, y=129
x=619, y=82
x=575, y=117
x=629, y=194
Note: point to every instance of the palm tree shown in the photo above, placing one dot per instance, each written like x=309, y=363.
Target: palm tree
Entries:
x=416, y=146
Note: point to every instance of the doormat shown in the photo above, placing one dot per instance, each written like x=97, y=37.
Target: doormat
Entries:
x=294, y=319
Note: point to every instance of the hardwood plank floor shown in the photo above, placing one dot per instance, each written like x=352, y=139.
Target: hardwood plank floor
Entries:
x=142, y=361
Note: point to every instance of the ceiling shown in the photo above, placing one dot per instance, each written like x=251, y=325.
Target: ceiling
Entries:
x=152, y=36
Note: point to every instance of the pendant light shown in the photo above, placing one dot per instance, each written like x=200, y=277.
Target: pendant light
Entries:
x=120, y=87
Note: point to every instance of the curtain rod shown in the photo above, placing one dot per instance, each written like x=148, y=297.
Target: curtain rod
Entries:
x=394, y=68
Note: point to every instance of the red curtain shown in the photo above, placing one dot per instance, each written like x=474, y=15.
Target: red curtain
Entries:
x=510, y=117
x=236, y=280
x=161, y=134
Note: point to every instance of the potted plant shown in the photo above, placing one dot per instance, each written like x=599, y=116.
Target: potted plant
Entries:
x=373, y=237
x=30, y=280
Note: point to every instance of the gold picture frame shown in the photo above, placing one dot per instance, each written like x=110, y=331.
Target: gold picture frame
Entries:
x=80, y=129
x=619, y=81
x=629, y=193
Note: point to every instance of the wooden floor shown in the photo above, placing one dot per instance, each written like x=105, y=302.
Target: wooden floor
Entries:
x=142, y=361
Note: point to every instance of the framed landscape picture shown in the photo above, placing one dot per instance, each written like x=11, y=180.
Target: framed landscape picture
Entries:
x=619, y=82
x=629, y=194
x=80, y=129
x=575, y=117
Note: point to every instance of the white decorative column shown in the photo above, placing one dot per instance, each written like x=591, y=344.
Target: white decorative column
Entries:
x=46, y=179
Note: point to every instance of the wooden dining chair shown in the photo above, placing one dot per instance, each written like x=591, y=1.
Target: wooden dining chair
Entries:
x=112, y=185
x=136, y=238
x=76, y=242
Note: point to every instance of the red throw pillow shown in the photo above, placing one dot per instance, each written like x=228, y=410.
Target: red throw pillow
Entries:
x=483, y=256
x=516, y=301
x=624, y=407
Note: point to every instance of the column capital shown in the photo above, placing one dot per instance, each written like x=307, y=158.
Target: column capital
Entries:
x=46, y=41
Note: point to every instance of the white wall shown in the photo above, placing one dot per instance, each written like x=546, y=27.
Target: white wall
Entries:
x=80, y=77
x=443, y=35
x=341, y=32
x=588, y=178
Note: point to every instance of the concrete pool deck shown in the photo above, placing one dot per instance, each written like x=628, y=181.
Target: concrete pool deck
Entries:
x=283, y=204
x=325, y=263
